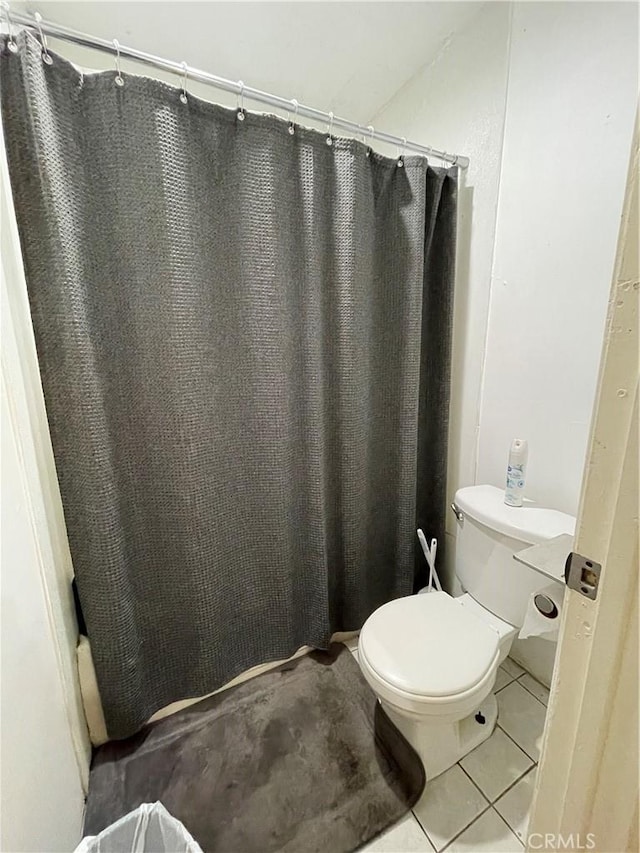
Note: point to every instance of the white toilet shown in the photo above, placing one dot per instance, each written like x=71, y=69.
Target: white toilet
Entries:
x=432, y=659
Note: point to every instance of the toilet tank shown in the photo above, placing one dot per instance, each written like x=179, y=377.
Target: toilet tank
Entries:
x=489, y=533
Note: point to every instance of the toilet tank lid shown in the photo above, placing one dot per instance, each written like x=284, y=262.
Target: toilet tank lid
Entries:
x=529, y=523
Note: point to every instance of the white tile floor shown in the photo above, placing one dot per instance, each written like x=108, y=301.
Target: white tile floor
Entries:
x=483, y=802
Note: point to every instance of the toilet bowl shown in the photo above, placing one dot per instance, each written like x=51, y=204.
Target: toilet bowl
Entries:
x=432, y=662
x=432, y=659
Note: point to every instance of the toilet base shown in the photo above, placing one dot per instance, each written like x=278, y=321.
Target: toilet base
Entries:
x=441, y=745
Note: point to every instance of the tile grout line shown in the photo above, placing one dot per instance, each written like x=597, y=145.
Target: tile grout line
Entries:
x=513, y=740
x=515, y=663
x=423, y=831
x=506, y=672
x=491, y=804
x=524, y=687
x=473, y=780
x=464, y=828
x=515, y=835
x=512, y=784
x=512, y=831
x=479, y=815
x=482, y=813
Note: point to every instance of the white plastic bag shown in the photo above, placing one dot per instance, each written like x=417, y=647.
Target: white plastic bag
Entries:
x=148, y=829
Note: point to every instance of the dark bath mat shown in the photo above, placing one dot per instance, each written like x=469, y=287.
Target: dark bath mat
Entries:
x=299, y=759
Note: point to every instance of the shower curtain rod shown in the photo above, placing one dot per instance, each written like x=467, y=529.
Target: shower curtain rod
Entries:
x=48, y=28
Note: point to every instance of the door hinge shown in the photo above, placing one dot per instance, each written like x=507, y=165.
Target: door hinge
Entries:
x=582, y=574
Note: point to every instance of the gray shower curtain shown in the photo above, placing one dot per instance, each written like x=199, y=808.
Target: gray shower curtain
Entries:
x=244, y=343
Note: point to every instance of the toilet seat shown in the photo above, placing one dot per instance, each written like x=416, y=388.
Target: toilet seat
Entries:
x=429, y=654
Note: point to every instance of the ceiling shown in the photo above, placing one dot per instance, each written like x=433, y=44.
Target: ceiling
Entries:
x=348, y=57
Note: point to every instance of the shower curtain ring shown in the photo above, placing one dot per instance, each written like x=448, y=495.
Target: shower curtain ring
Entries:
x=183, y=93
x=11, y=44
x=240, y=101
x=371, y=130
x=119, y=81
x=46, y=56
x=292, y=124
x=330, y=130
x=401, y=153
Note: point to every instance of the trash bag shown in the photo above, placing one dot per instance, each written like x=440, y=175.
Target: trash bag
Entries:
x=148, y=829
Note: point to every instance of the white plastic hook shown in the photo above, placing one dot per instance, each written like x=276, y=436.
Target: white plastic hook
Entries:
x=183, y=94
x=371, y=130
x=119, y=81
x=329, y=139
x=401, y=152
x=292, y=123
x=46, y=56
x=11, y=44
x=240, y=113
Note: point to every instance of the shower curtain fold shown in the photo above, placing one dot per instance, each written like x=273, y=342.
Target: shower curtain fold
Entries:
x=244, y=345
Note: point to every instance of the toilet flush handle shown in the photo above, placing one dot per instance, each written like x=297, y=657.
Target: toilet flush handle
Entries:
x=457, y=512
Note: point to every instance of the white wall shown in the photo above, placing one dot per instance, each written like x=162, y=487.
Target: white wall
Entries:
x=44, y=743
x=542, y=97
x=457, y=103
x=573, y=87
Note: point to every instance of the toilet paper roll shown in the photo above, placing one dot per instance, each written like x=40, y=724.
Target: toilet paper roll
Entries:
x=542, y=618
